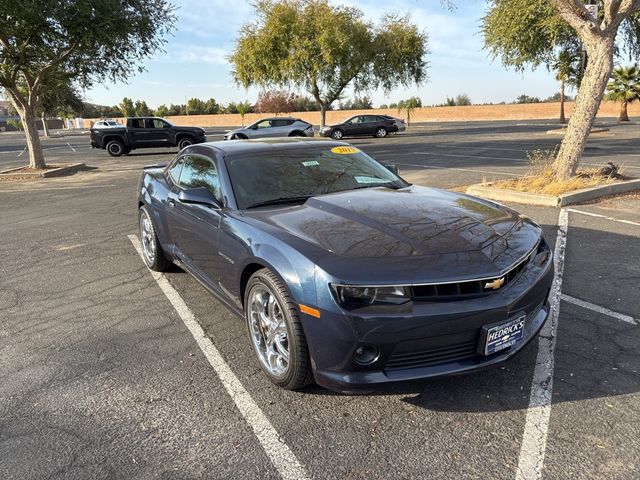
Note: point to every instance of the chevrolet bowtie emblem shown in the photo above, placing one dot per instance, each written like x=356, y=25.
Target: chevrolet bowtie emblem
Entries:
x=496, y=284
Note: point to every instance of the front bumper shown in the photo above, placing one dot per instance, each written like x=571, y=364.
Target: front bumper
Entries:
x=429, y=339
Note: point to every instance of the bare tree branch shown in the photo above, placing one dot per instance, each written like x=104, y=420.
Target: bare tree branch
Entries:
x=576, y=15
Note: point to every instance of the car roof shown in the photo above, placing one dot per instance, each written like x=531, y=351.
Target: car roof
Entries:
x=234, y=147
x=276, y=118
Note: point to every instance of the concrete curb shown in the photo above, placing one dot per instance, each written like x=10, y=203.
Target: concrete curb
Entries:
x=577, y=196
x=53, y=172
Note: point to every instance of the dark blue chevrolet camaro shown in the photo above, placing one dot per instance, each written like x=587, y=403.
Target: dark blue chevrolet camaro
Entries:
x=345, y=273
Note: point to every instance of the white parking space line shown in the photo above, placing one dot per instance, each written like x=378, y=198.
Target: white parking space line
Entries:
x=71, y=147
x=518, y=160
x=491, y=172
x=23, y=150
x=282, y=458
x=534, y=438
x=597, y=308
x=48, y=189
x=628, y=222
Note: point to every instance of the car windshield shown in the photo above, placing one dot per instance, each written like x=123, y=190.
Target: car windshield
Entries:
x=292, y=176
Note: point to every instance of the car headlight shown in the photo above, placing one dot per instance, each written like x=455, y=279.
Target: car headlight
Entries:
x=359, y=296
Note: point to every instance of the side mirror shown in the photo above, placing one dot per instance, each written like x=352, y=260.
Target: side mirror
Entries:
x=199, y=196
x=393, y=169
x=253, y=127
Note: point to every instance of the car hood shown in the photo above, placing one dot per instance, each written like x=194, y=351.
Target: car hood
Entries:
x=196, y=130
x=236, y=130
x=404, y=229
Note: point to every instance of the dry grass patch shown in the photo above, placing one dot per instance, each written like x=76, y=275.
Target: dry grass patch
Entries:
x=541, y=179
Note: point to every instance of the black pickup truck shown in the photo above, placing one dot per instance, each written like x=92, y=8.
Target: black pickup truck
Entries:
x=144, y=132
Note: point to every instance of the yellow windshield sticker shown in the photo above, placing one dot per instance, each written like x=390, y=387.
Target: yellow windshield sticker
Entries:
x=345, y=150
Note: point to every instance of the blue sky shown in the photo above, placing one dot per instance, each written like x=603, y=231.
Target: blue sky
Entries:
x=194, y=65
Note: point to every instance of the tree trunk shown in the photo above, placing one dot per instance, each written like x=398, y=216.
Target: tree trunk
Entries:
x=624, y=116
x=36, y=155
x=323, y=114
x=596, y=76
x=45, y=127
x=562, y=117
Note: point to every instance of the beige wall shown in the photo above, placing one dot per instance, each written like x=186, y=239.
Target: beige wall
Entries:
x=527, y=111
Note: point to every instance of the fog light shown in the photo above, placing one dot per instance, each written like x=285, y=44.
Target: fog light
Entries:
x=366, y=354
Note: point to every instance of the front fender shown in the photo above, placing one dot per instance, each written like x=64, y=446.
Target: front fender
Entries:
x=296, y=271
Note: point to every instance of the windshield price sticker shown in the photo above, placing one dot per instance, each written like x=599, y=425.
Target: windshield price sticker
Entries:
x=344, y=150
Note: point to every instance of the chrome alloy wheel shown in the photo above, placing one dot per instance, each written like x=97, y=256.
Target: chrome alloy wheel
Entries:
x=146, y=238
x=268, y=330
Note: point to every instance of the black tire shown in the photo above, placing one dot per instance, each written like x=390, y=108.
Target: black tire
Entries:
x=337, y=134
x=184, y=142
x=115, y=148
x=381, y=132
x=298, y=372
x=297, y=133
x=159, y=262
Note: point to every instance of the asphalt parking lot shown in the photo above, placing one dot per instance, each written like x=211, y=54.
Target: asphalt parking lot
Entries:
x=101, y=375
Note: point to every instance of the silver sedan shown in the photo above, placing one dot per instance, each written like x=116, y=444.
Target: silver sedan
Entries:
x=272, y=127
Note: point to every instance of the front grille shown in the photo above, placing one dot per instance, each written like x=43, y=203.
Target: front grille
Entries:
x=432, y=356
x=453, y=290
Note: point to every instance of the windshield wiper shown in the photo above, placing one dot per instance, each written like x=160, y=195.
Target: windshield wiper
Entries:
x=281, y=201
x=391, y=185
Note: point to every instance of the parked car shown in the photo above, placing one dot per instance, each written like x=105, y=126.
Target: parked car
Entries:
x=106, y=124
x=402, y=125
x=272, y=127
x=376, y=125
x=343, y=271
x=144, y=132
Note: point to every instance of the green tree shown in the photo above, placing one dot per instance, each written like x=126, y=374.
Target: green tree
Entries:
x=211, y=107
x=624, y=87
x=462, y=100
x=127, y=108
x=141, y=109
x=324, y=48
x=358, y=103
x=195, y=106
x=529, y=33
x=243, y=108
x=16, y=124
x=305, y=104
x=527, y=99
x=176, y=109
x=60, y=99
x=83, y=40
x=408, y=106
x=162, y=111
x=564, y=65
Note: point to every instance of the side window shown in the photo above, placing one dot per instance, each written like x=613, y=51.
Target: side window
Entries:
x=280, y=123
x=264, y=124
x=291, y=121
x=174, y=172
x=157, y=123
x=371, y=118
x=137, y=123
x=200, y=172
